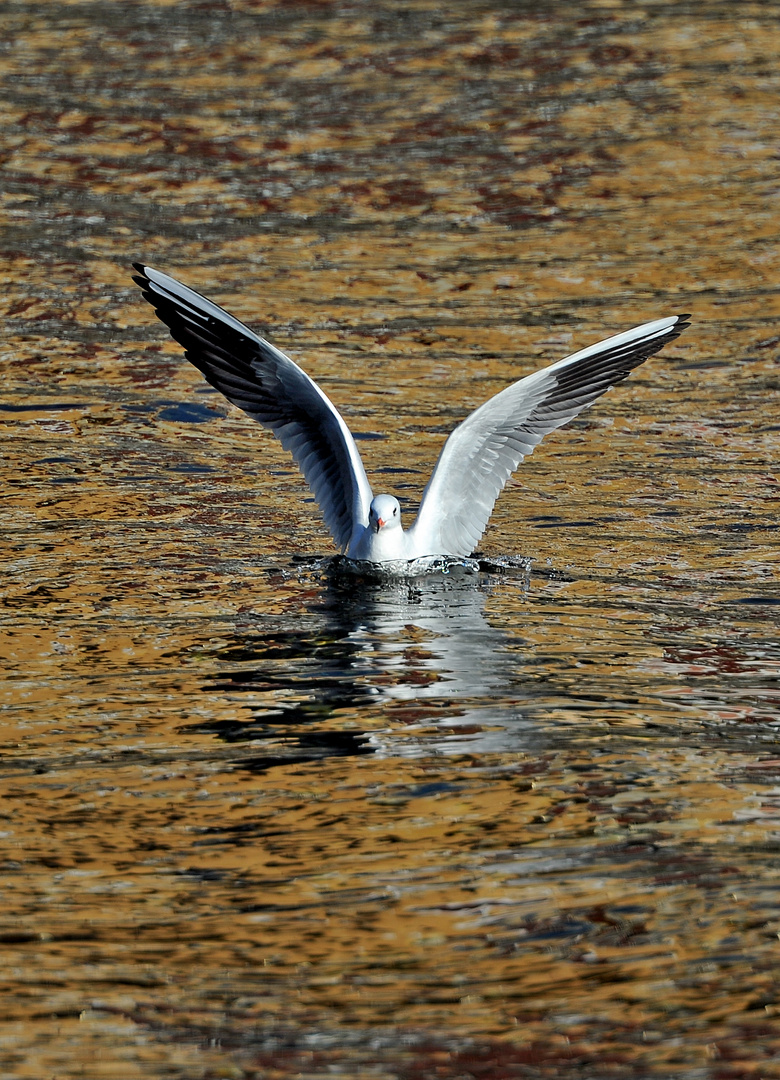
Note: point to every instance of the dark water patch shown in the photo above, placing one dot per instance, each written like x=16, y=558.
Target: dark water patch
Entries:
x=188, y=413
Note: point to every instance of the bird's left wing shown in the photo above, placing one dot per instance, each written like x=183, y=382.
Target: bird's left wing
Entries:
x=271, y=388
x=482, y=453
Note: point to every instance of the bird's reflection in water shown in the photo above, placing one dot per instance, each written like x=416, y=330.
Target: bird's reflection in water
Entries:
x=414, y=661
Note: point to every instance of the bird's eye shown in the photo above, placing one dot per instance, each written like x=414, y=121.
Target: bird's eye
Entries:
x=395, y=511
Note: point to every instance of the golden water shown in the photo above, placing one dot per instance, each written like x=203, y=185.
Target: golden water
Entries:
x=260, y=823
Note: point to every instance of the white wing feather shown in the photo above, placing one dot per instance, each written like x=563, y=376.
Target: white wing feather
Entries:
x=482, y=453
x=271, y=388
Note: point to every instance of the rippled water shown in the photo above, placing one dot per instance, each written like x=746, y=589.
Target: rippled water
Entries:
x=260, y=818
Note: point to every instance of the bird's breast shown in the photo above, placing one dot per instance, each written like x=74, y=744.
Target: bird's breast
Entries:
x=386, y=545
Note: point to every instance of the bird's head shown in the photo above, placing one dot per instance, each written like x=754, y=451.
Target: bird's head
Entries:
x=384, y=513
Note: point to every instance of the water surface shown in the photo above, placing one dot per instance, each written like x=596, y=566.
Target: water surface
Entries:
x=257, y=820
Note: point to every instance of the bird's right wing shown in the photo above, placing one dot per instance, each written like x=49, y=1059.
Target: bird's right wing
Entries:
x=269, y=387
x=482, y=453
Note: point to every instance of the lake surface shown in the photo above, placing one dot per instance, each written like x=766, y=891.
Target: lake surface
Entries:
x=259, y=820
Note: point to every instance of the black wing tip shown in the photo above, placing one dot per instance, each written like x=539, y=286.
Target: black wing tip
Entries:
x=142, y=279
x=681, y=322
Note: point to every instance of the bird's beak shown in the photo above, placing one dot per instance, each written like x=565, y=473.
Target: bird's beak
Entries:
x=380, y=523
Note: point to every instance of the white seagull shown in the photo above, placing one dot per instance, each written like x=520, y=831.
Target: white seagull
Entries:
x=475, y=462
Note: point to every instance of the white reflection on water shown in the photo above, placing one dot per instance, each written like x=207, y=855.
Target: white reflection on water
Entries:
x=426, y=666
x=428, y=641
x=415, y=659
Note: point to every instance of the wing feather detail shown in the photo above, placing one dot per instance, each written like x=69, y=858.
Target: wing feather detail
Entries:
x=258, y=378
x=482, y=452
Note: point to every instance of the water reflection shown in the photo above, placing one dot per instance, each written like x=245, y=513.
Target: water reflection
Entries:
x=417, y=652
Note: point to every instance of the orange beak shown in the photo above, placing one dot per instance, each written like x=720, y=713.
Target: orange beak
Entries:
x=380, y=523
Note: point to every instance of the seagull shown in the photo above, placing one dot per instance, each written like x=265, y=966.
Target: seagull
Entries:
x=475, y=462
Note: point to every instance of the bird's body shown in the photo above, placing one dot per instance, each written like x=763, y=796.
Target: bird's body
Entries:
x=384, y=539
x=476, y=461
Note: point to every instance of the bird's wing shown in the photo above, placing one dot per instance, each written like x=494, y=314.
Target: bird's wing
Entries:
x=269, y=387
x=482, y=453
